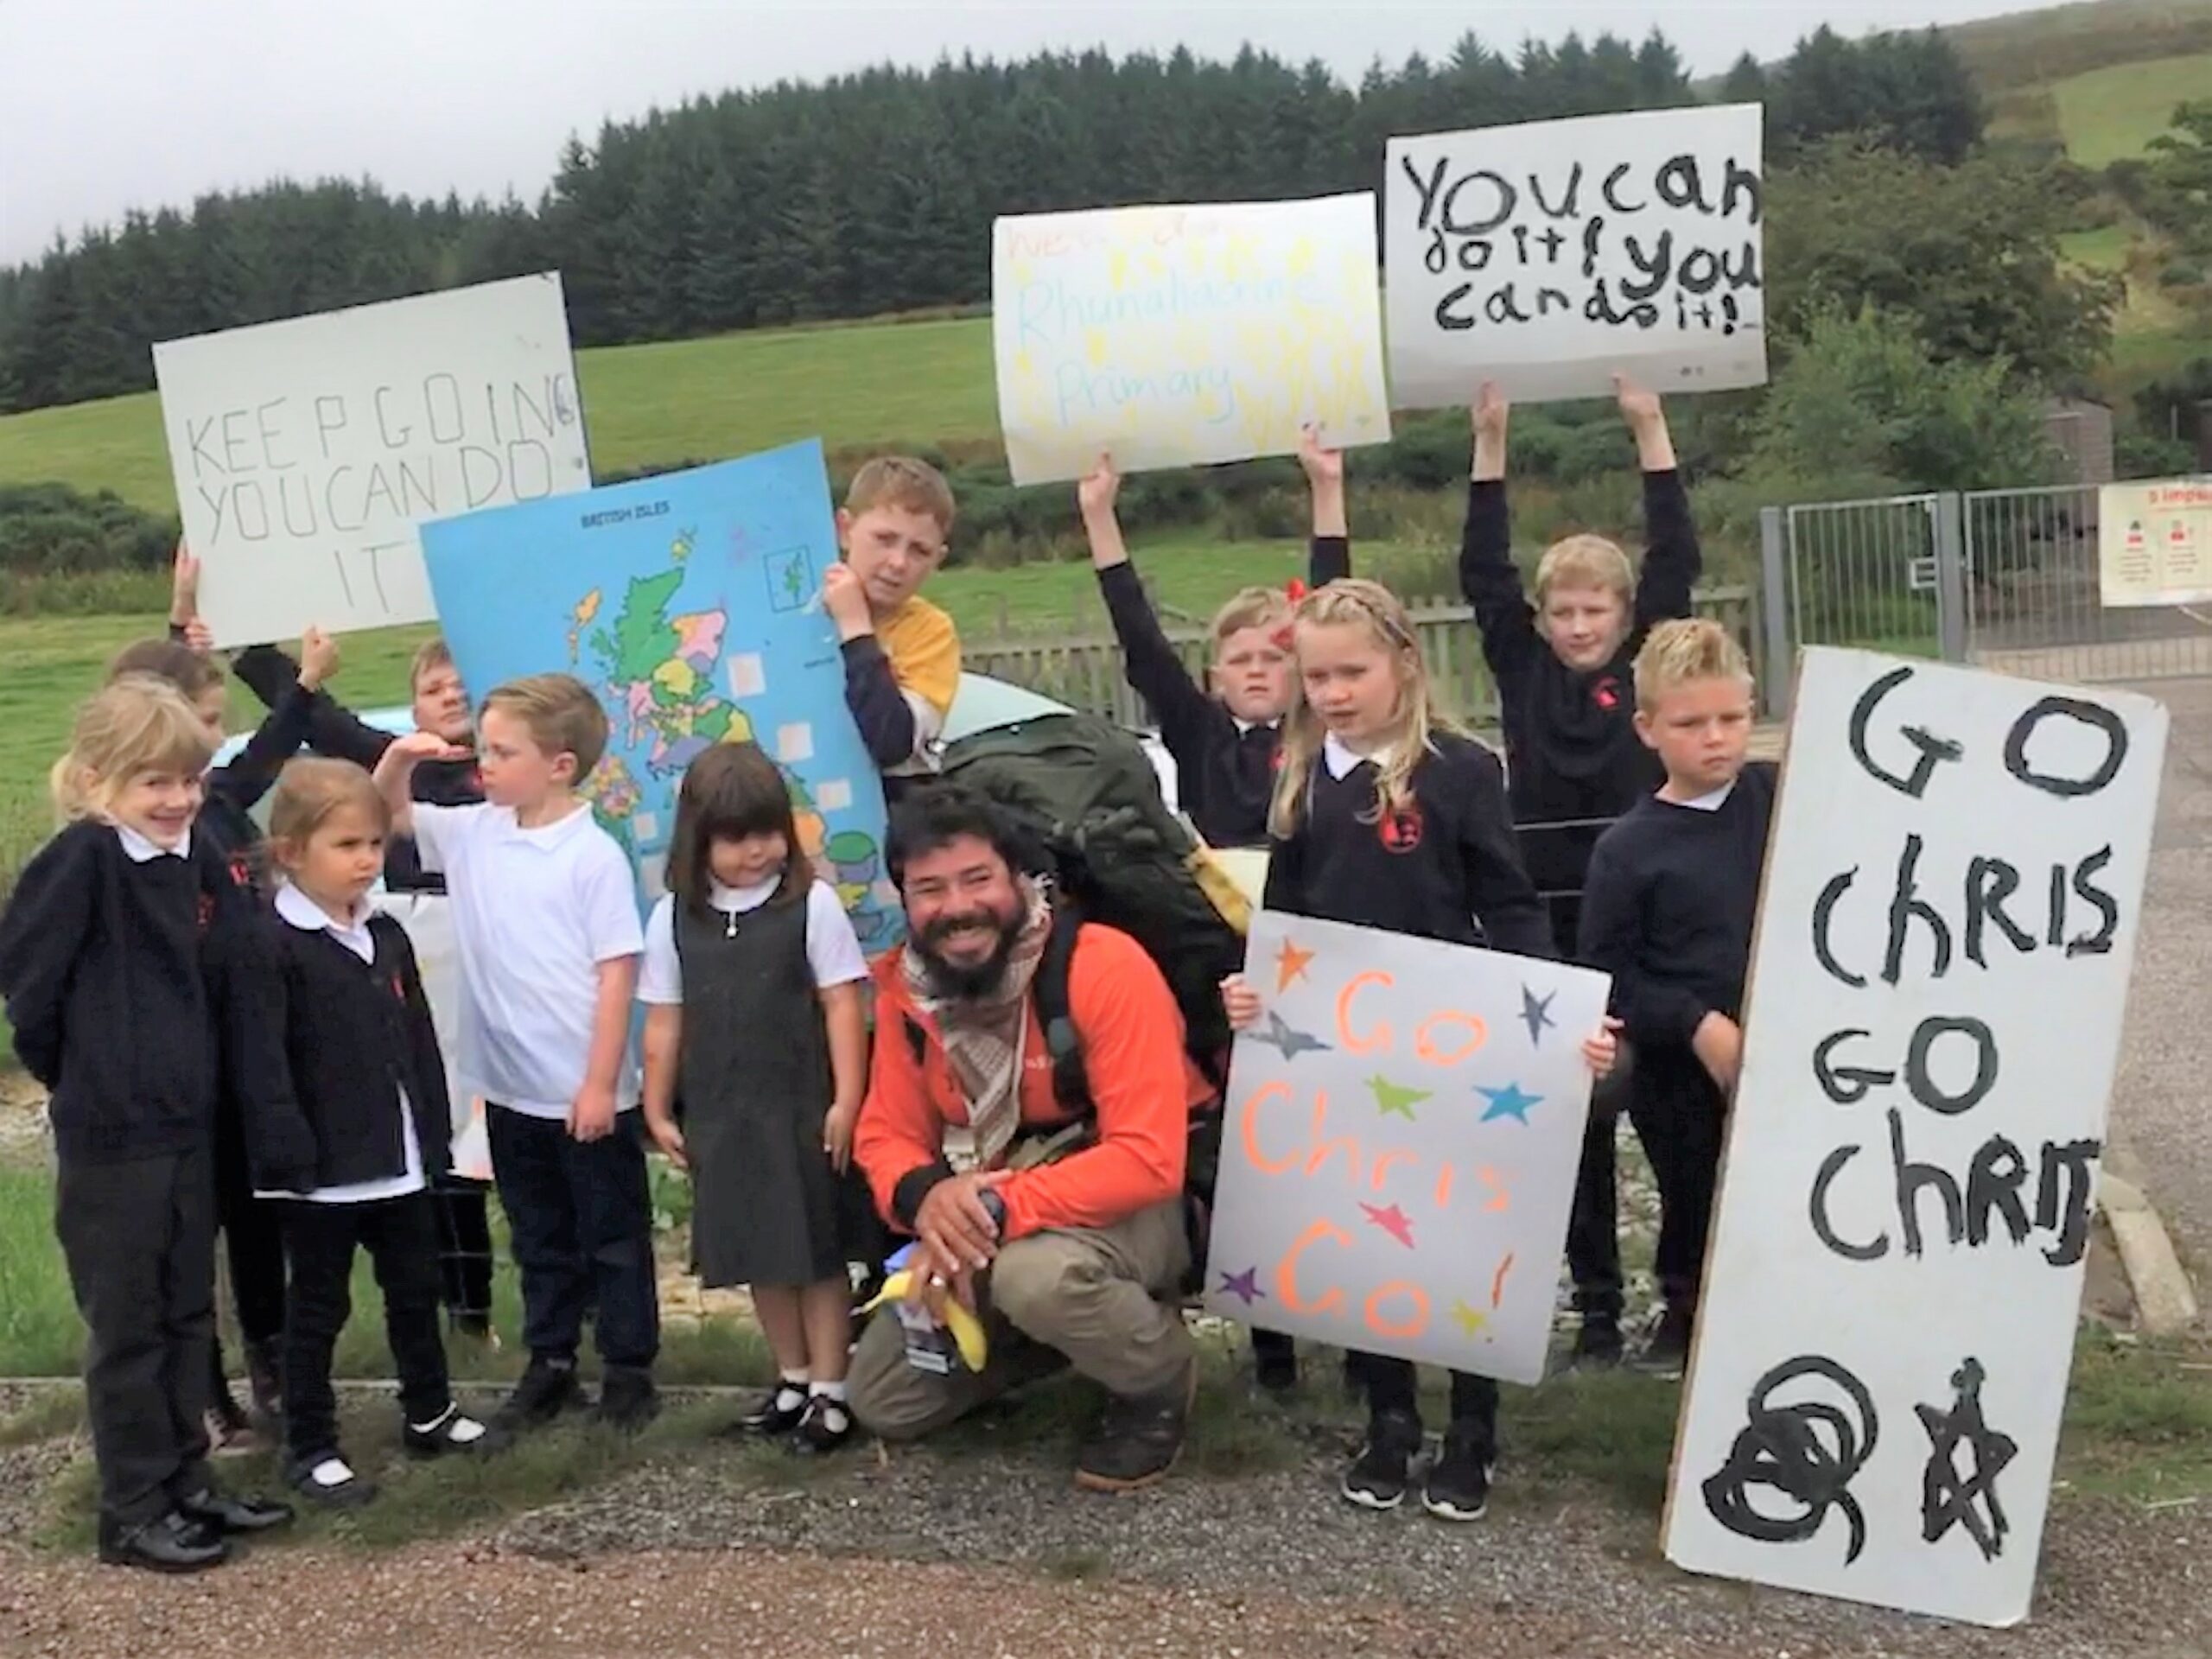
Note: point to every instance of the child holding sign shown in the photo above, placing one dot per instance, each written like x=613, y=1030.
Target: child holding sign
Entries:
x=1384, y=817
x=1573, y=757
x=1668, y=913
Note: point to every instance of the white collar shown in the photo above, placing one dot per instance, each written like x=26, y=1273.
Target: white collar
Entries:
x=1342, y=759
x=141, y=850
x=1712, y=800
x=750, y=897
x=1243, y=726
x=308, y=916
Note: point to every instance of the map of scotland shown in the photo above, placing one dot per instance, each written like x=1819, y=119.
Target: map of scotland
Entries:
x=688, y=603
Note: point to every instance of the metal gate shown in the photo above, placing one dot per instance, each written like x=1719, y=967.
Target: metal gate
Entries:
x=2034, y=604
x=2005, y=579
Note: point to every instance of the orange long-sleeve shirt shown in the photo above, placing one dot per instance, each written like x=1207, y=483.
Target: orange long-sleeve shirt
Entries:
x=1142, y=1084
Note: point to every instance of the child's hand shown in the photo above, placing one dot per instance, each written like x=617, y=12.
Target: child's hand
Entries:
x=667, y=1136
x=184, y=587
x=1603, y=1050
x=318, y=659
x=1241, y=1002
x=591, y=1115
x=1489, y=413
x=1639, y=408
x=1095, y=492
x=200, y=638
x=418, y=747
x=846, y=601
x=1323, y=468
x=838, y=1135
x=1718, y=1042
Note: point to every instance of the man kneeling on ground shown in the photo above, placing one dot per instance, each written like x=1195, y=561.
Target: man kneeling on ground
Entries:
x=1063, y=1231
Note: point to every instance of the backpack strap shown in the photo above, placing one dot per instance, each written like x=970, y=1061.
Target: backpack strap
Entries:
x=1050, y=998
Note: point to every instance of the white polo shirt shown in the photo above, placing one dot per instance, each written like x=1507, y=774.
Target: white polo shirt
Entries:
x=534, y=913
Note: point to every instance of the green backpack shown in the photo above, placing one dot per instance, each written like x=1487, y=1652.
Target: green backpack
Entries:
x=1084, y=790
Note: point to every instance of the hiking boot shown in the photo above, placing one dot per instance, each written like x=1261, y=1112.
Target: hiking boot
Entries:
x=1598, y=1344
x=264, y=1379
x=826, y=1426
x=1139, y=1437
x=1379, y=1474
x=453, y=1431
x=1457, y=1487
x=546, y=1390
x=627, y=1398
x=1666, y=1351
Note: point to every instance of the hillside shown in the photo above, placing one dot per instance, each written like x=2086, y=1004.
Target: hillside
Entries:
x=2024, y=49
x=863, y=385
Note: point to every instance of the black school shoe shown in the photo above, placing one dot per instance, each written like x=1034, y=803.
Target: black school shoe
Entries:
x=546, y=1390
x=326, y=1480
x=1379, y=1475
x=1139, y=1437
x=1457, y=1487
x=775, y=1414
x=825, y=1426
x=628, y=1399
x=172, y=1543
x=455, y=1433
x=232, y=1516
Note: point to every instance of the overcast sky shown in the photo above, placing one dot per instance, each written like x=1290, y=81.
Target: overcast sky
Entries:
x=106, y=104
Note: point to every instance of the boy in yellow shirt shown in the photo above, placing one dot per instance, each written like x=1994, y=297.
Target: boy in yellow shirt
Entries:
x=902, y=654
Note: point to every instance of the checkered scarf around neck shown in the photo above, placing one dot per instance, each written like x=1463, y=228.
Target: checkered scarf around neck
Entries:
x=983, y=1035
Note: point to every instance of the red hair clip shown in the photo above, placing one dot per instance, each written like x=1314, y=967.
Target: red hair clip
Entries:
x=1293, y=590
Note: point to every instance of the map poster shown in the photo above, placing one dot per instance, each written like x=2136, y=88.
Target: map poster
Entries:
x=2154, y=543
x=689, y=603
x=1404, y=1125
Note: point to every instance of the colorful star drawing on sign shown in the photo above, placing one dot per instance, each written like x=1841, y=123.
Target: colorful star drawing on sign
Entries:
x=1393, y=1221
x=1286, y=1041
x=1509, y=1101
x=1536, y=1013
x=1470, y=1319
x=1291, y=962
x=1395, y=1098
x=1244, y=1285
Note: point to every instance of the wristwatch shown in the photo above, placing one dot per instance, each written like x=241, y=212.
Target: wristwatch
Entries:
x=996, y=1206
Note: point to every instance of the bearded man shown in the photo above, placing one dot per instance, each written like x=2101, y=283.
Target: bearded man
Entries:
x=1061, y=1233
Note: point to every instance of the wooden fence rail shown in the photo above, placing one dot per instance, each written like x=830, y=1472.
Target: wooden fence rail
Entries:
x=1084, y=670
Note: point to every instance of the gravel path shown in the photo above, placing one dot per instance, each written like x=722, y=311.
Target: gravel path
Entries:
x=892, y=1554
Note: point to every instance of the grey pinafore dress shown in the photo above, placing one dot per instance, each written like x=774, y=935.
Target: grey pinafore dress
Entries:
x=756, y=1085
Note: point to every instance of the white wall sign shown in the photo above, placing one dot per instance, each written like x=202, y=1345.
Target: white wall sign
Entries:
x=1546, y=256
x=307, y=452
x=1403, y=1131
x=2154, y=543
x=1176, y=336
x=1949, y=915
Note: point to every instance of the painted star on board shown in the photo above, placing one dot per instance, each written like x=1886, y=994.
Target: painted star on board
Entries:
x=1536, y=1013
x=1395, y=1098
x=1509, y=1102
x=1469, y=1320
x=1287, y=1041
x=1291, y=960
x=1244, y=1285
x=1393, y=1221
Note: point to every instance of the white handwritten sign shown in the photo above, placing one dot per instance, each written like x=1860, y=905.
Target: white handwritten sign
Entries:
x=1545, y=257
x=1404, y=1128
x=1938, y=984
x=2154, y=543
x=307, y=452
x=1175, y=336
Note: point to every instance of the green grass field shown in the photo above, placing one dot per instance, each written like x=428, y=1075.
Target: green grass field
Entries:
x=863, y=385
x=2110, y=114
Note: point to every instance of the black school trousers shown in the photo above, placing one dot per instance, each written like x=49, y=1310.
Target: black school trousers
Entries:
x=1391, y=1385
x=581, y=1220
x=401, y=1236
x=1593, y=1238
x=1679, y=1116
x=253, y=1245
x=139, y=1239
